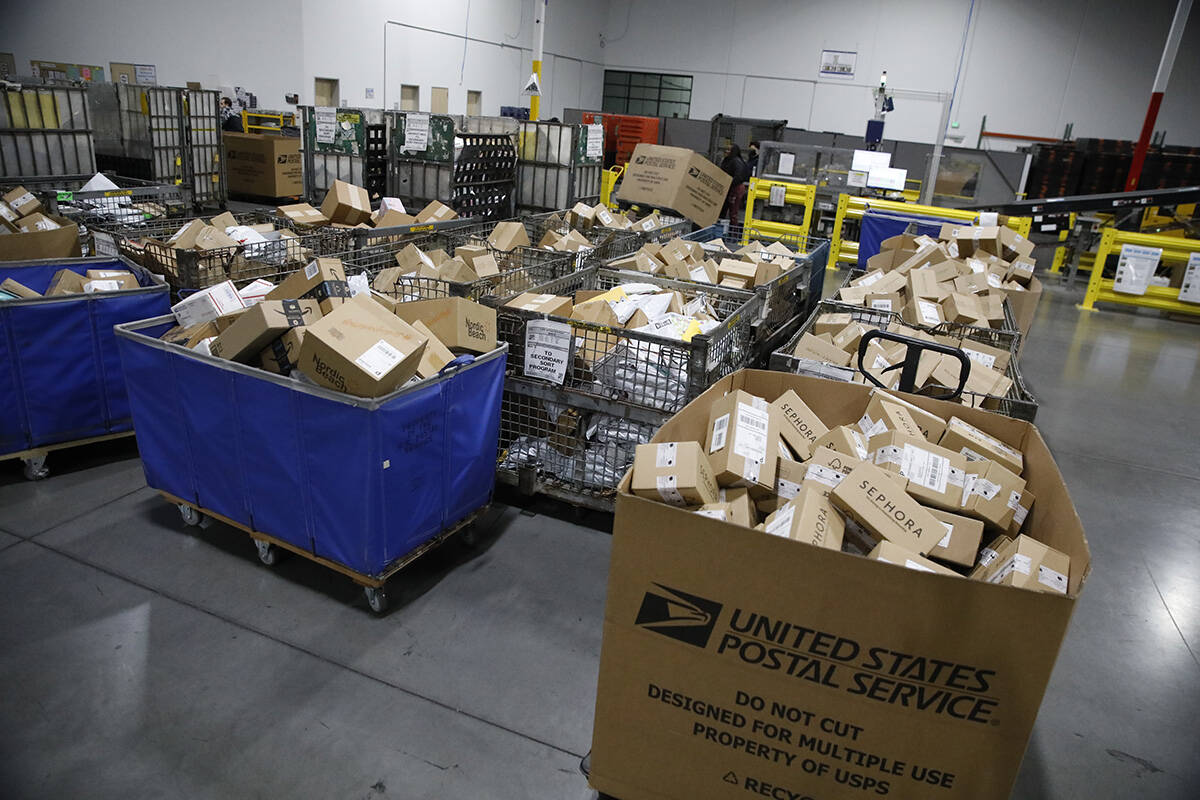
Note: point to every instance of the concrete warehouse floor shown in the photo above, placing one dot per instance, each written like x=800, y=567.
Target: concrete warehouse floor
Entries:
x=144, y=658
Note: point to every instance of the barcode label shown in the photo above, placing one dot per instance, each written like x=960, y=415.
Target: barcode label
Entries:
x=310, y=271
x=714, y=513
x=787, y=489
x=869, y=279
x=986, y=359
x=1052, y=579
x=929, y=313
x=750, y=432
x=956, y=477
x=750, y=471
x=987, y=556
x=881, y=305
x=860, y=444
x=1014, y=501
x=986, y=489
x=925, y=468
x=825, y=475
x=972, y=455
x=1019, y=516
x=889, y=454
x=720, y=429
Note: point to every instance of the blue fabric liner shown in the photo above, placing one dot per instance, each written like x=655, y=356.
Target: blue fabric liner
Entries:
x=876, y=228
x=60, y=373
x=358, y=486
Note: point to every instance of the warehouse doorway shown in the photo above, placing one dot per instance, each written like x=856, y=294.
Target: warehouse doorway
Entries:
x=440, y=100
x=326, y=92
x=474, y=103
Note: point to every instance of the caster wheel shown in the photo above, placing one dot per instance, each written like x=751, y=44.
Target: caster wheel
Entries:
x=192, y=517
x=35, y=468
x=469, y=536
x=377, y=598
x=268, y=553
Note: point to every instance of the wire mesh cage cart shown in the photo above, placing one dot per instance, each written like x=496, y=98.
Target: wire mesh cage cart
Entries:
x=558, y=165
x=45, y=130
x=520, y=270
x=788, y=299
x=343, y=144
x=1016, y=402
x=162, y=134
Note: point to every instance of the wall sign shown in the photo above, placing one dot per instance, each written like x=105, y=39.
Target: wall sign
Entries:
x=838, y=63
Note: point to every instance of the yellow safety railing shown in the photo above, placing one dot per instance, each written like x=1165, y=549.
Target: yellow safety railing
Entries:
x=1060, y=252
x=608, y=179
x=1163, y=298
x=845, y=251
x=795, y=194
x=279, y=118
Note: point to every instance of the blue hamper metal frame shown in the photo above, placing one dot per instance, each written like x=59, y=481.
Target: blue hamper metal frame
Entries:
x=360, y=485
x=60, y=375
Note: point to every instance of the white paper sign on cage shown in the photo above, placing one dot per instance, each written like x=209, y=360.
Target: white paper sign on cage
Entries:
x=1135, y=268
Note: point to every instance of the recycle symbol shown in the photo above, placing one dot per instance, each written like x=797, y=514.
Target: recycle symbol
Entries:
x=730, y=777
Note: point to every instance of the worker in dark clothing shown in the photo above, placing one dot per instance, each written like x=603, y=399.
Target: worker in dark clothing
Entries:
x=231, y=119
x=735, y=166
x=752, y=162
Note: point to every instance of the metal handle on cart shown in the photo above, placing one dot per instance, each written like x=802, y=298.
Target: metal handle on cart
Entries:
x=912, y=359
x=458, y=363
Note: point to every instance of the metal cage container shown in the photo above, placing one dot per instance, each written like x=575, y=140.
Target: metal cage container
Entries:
x=191, y=270
x=789, y=298
x=521, y=269
x=45, y=130
x=637, y=368
x=569, y=445
x=554, y=168
x=350, y=146
x=1018, y=402
x=162, y=134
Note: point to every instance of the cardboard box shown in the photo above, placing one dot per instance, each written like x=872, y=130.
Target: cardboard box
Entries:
x=812, y=347
x=1029, y=564
x=457, y=322
x=799, y=427
x=282, y=354
x=507, y=236
x=361, y=349
x=436, y=354
x=1021, y=512
x=455, y=270
x=347, y=204
x=892, y=303
x=22, y=201
x=961, y=308
x=892, y=553
x=961, y=542
x=810, y=518
x=304, y=215
x=678, y=473
x=542, y=303
x=678, y=179
x=8, y=218
x=988, y=556
x=1024, y=307
x=789, y=479
x=699, y=611
x=962, y=437
x=974, y=240
x=470, y=252
x=436, y=212
x=36, y=222
x=258, y=325
x=740, y=505
x=114, y=284
x=931, y=425
x=845, y=440
x=19, y=289
x=262, y=165
x=935, y=476
x=831, y=323
x=1013, y=245
x=208, y=304
x=60, y=242
x=323, y=280
x=991, y=493
x=877, y=500
x=742, y=443
x=919, y=311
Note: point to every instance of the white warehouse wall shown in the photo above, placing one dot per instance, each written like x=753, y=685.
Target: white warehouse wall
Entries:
x=1031, y=66
x=273, y=47
x=217, y=42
